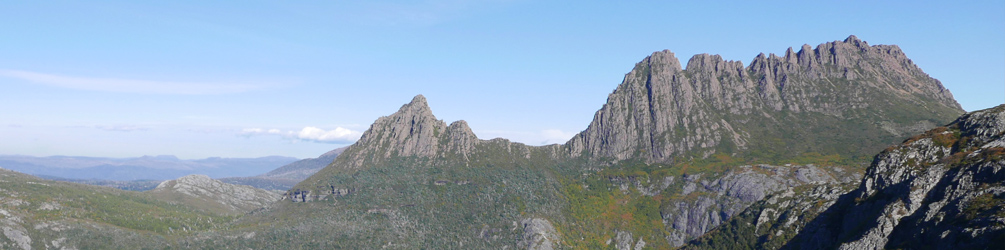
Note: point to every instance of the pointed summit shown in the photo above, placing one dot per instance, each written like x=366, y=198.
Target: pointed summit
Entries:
x=417, y=106
x=852, y=38
x=418, y=100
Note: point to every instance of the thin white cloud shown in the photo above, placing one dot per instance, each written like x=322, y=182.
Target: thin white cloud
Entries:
x=552, y=136
x=130, y=85
x=339, y=135
x=121, y=128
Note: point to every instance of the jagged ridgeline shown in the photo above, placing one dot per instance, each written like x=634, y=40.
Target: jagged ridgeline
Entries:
x=845, y=98
x=673, y=153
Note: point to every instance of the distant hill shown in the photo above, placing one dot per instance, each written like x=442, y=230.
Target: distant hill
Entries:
x=199, y=191
x=139, y=168
x=42, y=214
x=283, y=178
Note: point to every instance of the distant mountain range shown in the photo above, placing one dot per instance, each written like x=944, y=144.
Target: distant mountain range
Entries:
x=285, y=177
x=164, y=167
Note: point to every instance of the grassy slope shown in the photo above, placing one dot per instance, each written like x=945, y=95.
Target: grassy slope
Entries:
x=95, y=217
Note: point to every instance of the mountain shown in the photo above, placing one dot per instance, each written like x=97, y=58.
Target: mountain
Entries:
x=413, y=180
x=283, y=178
x=162, y=167
x=842, y=97
x=673, y=153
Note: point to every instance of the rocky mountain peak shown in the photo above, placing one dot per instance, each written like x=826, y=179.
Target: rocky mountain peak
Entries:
x=417, y=105
x=459, y=129
x=660, y=111
x=412, y=131
x=663, y=59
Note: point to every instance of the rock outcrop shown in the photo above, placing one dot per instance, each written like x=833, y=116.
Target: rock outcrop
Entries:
x=538, y=234
x=864, y=93
x=202, y=191
x=716, y=200
x=944, y=189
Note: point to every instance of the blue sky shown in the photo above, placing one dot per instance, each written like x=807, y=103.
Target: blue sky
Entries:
x=256, y=78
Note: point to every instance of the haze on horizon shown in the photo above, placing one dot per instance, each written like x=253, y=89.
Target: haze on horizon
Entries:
x=197, y=80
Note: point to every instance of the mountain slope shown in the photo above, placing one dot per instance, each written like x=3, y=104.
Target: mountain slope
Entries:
x=43, y=214
x=283, y=178
x=414, y=181
x=944, y=189
x=201, y=192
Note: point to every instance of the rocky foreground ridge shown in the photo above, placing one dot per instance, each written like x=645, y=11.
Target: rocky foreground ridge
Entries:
x=943, y=189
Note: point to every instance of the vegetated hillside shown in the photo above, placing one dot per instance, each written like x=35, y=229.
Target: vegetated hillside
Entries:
x=201, y=192
x=943, y=189
x=382, y=191
x=283, y=178
x=673, y=153
x=163, y=167
x=43, y=214
x=134, y=185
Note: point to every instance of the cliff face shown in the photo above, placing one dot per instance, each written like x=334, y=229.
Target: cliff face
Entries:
x=943, y=189
x=661, y=112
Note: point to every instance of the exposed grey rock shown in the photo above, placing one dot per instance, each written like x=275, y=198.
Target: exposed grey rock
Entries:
x=237, y=198
x=538, y=234
x=661, y=112
x=944, y=189
x=723, y=197
x=17, y=236
x=623, y=240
